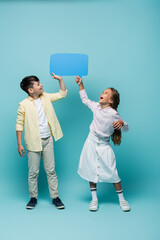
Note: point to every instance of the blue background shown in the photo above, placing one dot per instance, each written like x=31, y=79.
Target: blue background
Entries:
x=121, y=38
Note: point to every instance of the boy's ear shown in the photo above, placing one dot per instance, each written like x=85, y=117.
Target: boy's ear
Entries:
x=30, y=90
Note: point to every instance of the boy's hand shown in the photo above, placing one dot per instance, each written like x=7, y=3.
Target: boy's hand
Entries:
x=56, y=77
x=21, y=151
x=118, y=124
x=78, y=80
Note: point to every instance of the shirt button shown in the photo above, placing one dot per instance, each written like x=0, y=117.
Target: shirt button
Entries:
x=97, y=175
x=98, y=166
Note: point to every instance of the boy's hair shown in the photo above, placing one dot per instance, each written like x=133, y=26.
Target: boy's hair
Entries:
x=28, y=82
x=116, y=136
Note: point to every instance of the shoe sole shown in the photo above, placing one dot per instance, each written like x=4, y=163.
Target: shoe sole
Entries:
x=95, y=210
x=126, y=210
x=29, y=208
x=62, y=207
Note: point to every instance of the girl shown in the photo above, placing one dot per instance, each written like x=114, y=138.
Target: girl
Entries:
x=97, y=160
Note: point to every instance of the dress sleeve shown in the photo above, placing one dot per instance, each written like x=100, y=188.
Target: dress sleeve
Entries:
x=84, y=98
x=117, y=117
x=57, y=96
x=20, y=118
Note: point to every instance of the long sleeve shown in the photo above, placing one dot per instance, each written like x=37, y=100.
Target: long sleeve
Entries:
x=117, y=117
x=57, y=96
x=85, y=100
x=20, y=118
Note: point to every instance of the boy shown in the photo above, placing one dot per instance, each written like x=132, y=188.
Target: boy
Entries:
x=38, y=117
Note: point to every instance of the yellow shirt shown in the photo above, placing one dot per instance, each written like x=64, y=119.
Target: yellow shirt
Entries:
x=27, y=117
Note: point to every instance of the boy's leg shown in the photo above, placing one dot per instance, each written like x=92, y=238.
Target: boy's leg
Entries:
x=33, y=165
x=49, y=166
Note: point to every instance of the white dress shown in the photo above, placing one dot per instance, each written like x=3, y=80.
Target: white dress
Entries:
x=97, y=160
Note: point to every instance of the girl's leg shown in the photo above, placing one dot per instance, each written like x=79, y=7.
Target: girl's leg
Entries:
x=93, y=187
x=123, y=203
x=119, y=190
x=94, y=203
x=118, y=186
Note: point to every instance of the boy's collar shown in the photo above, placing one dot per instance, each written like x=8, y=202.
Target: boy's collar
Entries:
x=31, y=98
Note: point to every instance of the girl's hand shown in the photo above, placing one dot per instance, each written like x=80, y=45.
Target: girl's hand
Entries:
x=56, y=77
x=78, y=80
x=118, y=124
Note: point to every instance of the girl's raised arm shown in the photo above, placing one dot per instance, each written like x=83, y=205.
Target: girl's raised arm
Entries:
x=78, y=80
x=83, y=95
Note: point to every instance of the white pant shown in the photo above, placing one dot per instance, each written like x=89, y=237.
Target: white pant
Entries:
x=47, y=155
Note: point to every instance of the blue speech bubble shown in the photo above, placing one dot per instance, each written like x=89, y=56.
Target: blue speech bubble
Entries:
x=69, y=64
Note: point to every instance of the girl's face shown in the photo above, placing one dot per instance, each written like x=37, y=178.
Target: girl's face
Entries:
x=105, y=97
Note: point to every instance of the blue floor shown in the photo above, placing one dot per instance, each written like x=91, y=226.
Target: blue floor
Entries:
x=77, y=222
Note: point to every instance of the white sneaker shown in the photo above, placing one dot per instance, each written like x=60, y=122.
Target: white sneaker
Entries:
x=124, y=205
x=93, y=206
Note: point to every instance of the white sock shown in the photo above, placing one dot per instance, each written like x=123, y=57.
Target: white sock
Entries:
x=120, y=195
x=94, y=194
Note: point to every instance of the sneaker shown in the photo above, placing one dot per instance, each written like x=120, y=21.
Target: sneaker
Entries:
x=57, y=203
x=124, y=205
x=93, y=206
x=32, y=203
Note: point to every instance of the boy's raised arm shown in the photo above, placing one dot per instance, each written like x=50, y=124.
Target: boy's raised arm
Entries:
x=63, y=91
x=61, y=82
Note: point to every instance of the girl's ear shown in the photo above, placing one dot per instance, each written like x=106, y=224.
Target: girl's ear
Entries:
x=110, y=101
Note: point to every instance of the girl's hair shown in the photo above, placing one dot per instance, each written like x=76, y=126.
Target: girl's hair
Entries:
x=116, y=136
x=27, y=82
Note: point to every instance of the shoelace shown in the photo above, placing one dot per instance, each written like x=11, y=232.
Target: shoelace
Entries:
x=124, y=203
x=33, y=200
x=93, y=203
x=57, y=200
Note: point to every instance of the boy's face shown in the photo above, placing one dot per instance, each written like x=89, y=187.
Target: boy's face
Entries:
x=105, y=97
x=37, y=89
